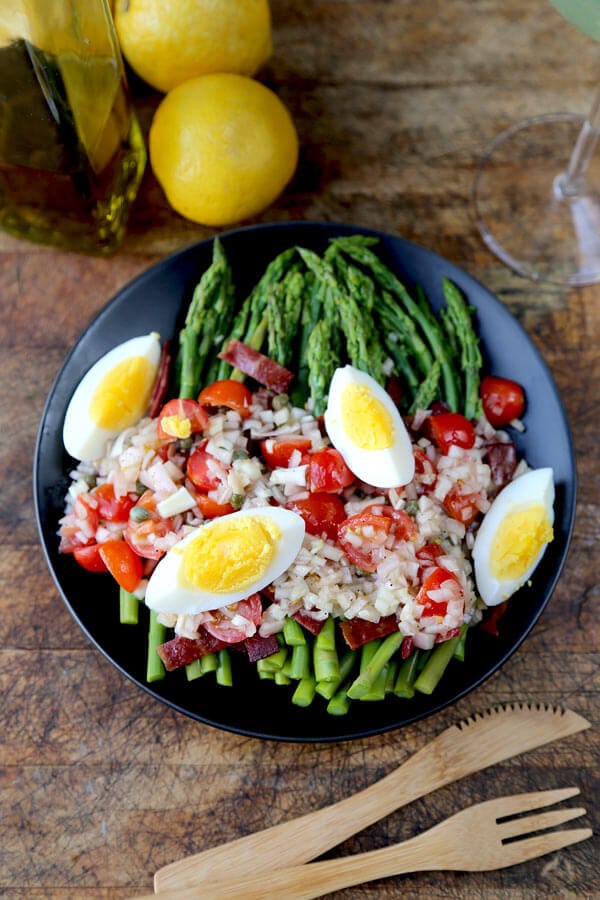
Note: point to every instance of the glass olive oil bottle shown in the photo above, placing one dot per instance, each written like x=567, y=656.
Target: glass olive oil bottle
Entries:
x=71, y=151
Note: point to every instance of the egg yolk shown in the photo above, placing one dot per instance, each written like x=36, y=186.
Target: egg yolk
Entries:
x=519, y=541
x=365, y=420
x=123, y=394
x=231, y=555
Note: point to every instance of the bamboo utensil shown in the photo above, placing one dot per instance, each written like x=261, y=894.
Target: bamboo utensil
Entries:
x=470, y=746
x=469, y=841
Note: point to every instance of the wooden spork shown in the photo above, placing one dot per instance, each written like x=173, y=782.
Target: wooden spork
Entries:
x=477, y=839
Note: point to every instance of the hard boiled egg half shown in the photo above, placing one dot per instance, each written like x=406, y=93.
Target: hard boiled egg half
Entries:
x=112, y=395
x=363, y=423
x=226, y=560
x=513, y=535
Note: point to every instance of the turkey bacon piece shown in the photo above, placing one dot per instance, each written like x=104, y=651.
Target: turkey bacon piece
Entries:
x=357, y=632
x=258, y=647
x=258, y=366
x=180, y=651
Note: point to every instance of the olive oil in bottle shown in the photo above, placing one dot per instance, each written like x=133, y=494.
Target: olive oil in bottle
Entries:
x=71, y=151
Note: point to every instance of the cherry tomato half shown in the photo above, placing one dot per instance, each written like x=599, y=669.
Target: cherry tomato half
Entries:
x=199, y=470
x=227, y=392
x=503, y=400
x=182, y=411
x=322, y=513
x=89, y=558
x=434, y=581
x=85, y=523
x=449, y=429
x=210, y=509
x=428, y=556
x=462, y=507
x=362, y=537
x=425, y=472
x=221, y=626
x=403, y=527
x=112, y=508
x=277, y=451
x=139, y=533
x=328, y=472
x=123, y=564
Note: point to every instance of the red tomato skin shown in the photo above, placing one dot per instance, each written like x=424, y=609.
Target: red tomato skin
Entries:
x=111, y=508
x=451, y=429
x=277, y=452
x=198, y=472
x=185, y=409
x=327, y=472
x=89, y=558
x=462, y=507
x=503, y=400
x=322, y=513
x=123, y=564
x=229, y=393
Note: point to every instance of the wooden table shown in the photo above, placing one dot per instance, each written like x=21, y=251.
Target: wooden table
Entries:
x=101, y=785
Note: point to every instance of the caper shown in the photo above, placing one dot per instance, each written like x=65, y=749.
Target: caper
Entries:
x=139, y=514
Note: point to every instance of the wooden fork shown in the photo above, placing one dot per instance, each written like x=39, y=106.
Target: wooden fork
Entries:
x=473, y=840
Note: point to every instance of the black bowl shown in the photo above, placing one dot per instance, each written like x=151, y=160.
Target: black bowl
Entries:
x=155, y=301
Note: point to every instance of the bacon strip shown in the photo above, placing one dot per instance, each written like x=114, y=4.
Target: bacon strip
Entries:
x=180, y=651
x=502, y=460
x=259, y=647
x=309, y=622
x=159, y=391
x=357, y=632
x=258, y=366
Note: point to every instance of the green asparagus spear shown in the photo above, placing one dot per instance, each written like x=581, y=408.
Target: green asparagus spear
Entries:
x=328, y=688
x=128, y=608
x=325, y=658
x=407, y=673
x=293, y=633
x=458, y=319
x=223, y=673
x=300, y=662
x=305, y=692
x=427, y=390
x=193, y=670
x=283, y=309
x=156, y=635
x=435, y=666
x=213, y=286
x=365, y=681
x=322, y=363
x=426, y=321
x=253, y=308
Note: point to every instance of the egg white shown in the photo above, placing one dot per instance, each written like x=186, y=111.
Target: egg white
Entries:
x=389, y=467
x=532, y=488
x=169, y=591
x=83, y=438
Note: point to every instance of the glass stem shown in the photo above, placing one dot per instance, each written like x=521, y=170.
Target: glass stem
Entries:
x=570, y=183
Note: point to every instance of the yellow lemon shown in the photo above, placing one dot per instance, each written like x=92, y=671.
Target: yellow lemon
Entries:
x=168, y=42
x=223, y=147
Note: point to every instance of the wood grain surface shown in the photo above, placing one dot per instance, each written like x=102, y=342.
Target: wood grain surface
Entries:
x=100, y=785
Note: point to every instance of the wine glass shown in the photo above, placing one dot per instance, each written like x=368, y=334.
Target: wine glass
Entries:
x=537, y=190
